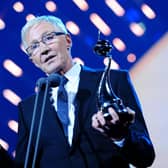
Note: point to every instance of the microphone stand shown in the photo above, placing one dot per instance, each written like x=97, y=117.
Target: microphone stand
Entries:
x=52, y=80
x=40, y=123
x=39, y=85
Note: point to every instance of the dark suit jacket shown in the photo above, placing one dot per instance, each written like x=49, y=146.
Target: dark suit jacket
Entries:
x=90, y=149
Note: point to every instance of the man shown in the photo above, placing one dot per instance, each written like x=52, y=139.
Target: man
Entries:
x=86, y=144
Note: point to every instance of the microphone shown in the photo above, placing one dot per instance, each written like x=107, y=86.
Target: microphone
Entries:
x=41, y=83
x=54, y=80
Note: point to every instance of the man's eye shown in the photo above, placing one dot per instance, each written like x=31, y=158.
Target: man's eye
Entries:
x=49, y=37
x=34, y=46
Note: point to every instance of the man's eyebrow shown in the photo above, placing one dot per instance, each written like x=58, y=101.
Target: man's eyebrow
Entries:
x=35, y=41
x=47, y=32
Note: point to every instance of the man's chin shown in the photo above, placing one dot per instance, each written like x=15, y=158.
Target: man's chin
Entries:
x=51, y=71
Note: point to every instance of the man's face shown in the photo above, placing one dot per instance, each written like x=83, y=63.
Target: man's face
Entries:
x=52, y=57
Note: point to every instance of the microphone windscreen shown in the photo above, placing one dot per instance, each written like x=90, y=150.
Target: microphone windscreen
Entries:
x=54, y=80
x=41, y=82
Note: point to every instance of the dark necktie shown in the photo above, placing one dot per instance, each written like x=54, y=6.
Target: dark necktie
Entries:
x=62, y=105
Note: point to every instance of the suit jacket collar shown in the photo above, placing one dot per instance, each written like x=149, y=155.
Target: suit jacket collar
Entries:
x=87, y=81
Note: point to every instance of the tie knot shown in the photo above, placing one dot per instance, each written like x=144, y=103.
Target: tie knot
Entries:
x=63, y=81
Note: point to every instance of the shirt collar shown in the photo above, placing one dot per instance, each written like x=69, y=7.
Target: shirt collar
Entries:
x=73, y=73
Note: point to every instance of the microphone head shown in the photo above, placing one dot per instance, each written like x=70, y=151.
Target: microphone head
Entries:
x=54, y=80
x=41, y=83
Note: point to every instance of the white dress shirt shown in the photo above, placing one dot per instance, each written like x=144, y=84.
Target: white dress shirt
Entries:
x=71, y=87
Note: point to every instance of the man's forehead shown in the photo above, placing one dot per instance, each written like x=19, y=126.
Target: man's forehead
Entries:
x=38, y=30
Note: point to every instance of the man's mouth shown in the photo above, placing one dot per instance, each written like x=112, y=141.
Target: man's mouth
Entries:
x=49, y=57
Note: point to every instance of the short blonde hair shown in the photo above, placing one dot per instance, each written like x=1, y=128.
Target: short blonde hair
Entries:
x=47, y=18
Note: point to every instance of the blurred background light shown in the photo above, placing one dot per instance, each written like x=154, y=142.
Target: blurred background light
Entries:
x=78, y=60
x=115, y=7
x=4, y=144
x=82, y=4
x=100, y=24
x=29, y=17
x=13, y=125
x=131, y=57
x=119, y=44
x=18, y=6
x=138, y=28
x=148, y=12
x=51, y=6
x=11, y=96
x=2, y=24
x=114, y=64
x=14, y=69
x=73, y=27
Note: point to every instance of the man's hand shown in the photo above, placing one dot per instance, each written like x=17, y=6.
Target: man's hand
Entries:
x=115, y=129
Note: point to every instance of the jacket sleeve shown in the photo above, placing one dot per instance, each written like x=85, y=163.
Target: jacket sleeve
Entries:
x=138, y=148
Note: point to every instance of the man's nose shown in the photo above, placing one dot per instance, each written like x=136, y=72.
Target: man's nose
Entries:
x=45, y=52
x=44, y=49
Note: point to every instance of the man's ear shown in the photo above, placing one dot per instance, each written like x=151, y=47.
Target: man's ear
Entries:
x=69, y=41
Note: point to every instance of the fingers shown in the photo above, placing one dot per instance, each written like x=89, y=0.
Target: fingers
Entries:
x=95, y=123
x=117, y=127
x=131, y=112
x=114, y=115
x=98, y=120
